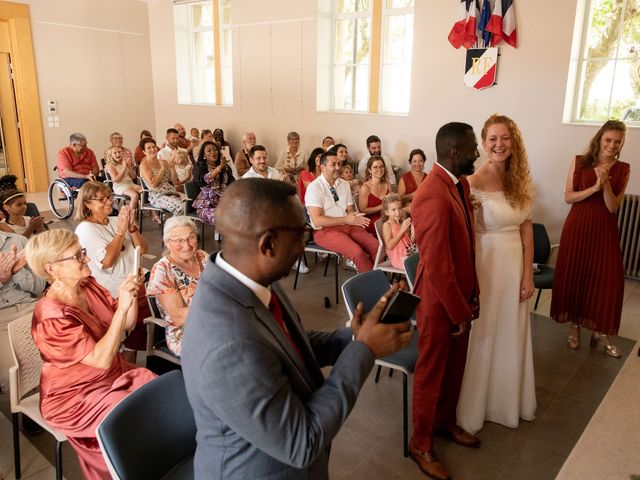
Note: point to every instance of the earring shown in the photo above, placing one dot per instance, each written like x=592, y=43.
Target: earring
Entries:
x=57, y=285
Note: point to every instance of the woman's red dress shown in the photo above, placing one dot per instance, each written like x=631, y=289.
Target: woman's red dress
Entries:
x=373, y=201
x=588, y=283
x=74, y=397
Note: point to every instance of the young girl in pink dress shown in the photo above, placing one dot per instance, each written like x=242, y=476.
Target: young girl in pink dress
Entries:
x=397, y=231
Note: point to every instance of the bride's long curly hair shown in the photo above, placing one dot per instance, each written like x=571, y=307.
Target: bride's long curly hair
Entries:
x=518, y=186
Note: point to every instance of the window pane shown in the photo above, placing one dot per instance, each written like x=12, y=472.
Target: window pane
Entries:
x=226, y=47
x=362, y=88
x=225, y=12
x=625, y=98
x=399, y=4
x=344, y=41
x=395, y=88
x=203, y=68
x=202, y=15
x=597, y=76
x=398, y=39
x=343, y=87
x=364, y=41
x=350, y=6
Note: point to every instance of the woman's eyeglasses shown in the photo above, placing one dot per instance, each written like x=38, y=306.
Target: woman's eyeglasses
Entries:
x=103, y=200
x=79, y=257
x=179, y=242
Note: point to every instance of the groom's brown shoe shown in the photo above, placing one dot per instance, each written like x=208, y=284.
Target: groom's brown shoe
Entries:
x=428, y=463
x=459, y=436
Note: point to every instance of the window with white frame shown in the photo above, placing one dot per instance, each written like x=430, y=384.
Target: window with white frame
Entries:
x=364, y=55
x=604, y=79
x=203, y=51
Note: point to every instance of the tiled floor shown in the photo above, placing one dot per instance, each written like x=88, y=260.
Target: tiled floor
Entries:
x=570, y=385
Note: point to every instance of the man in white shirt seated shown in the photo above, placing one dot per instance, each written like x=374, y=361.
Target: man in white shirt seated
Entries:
x=374, y=146
x=259, y=166
x=170, y=149
x=337, y=225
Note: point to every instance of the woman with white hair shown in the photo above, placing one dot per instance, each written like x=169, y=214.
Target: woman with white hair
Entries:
x=175, y=276
x=77, y=326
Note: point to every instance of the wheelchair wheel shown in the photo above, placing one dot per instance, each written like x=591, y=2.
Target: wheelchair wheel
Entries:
x=61, y=199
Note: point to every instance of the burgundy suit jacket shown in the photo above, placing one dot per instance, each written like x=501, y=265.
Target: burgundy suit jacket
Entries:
x=446, y=278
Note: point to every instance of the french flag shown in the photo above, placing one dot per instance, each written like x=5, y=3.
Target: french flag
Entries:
x=463, y=32
x=503, y=23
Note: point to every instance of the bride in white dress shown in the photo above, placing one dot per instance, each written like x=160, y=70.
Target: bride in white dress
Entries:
x=499, y=384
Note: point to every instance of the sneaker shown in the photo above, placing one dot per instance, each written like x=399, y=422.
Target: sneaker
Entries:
x=303, y=267
x=349, y=263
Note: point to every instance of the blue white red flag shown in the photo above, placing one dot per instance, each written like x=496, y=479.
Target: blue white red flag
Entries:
x=463, y=32
x=503, y=23
x=484, y=20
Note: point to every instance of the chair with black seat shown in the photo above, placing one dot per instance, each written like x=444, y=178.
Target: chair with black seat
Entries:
x=151, y=433
x=367, y=288
x=192, y=190
x=24, y=380
x=156, y=338
x=542, y=252
x=411, y=268
x=313, y=247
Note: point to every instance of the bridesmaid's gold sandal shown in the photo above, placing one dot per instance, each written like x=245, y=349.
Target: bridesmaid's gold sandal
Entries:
x=573, y=341
x=609, y=349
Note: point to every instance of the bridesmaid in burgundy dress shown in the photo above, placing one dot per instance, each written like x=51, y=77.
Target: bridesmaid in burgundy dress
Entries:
x=77, y=327
x=588, y=284
x=410, y=181
x=373, y=191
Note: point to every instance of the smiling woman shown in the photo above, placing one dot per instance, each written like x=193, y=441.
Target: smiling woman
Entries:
x=175, y=276
x=77, y=326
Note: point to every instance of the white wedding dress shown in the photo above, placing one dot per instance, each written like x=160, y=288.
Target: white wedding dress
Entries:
x=498, y=384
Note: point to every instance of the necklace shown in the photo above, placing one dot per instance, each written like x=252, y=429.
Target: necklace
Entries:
x=109, y=228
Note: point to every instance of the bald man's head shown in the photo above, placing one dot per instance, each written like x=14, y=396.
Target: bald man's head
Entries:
x=252, y=205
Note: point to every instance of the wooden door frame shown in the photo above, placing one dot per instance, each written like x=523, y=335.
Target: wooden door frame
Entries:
x=17, y=18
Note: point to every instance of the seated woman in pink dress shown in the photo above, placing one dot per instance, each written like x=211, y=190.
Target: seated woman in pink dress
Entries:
x=77, y=326
x=373, y=191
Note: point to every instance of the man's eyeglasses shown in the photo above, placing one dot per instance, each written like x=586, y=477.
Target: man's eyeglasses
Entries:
x=79, y=257
x=306, y=232
x=103, y=200
x=334, y=193
x=179, y=242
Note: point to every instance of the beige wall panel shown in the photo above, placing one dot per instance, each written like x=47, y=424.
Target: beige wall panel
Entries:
x=93, y=58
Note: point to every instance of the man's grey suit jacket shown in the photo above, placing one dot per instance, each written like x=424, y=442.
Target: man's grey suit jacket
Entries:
x=262, y=411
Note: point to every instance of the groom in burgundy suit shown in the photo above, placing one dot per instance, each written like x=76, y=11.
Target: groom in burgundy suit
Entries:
x=447, y=283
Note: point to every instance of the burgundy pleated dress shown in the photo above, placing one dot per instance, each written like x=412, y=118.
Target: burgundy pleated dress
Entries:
x=588, y=283
x=74, y=397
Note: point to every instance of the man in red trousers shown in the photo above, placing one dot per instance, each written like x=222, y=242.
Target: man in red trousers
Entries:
x=447, y=283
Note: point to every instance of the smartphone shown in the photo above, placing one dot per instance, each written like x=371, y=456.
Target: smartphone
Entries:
x=136, y=260
x=400, y=308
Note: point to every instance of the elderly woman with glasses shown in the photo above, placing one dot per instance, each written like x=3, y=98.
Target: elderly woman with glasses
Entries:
x=175, y=276
x=77, y=326
x=110, y=243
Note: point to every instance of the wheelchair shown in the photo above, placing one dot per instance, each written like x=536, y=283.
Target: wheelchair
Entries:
x=61, y=197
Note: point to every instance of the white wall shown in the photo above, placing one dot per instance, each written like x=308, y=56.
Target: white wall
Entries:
x=274, y=88
x=93, y=58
